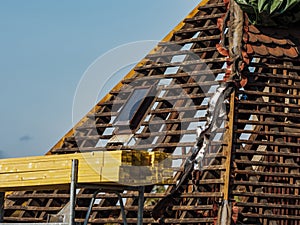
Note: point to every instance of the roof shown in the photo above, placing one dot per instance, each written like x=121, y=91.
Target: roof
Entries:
x=270, y=42
x=253, y=158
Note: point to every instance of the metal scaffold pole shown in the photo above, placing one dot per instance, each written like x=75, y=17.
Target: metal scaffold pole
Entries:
x=141, y=205
x=74, y=177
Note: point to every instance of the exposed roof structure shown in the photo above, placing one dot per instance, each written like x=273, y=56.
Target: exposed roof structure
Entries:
x=252, y=159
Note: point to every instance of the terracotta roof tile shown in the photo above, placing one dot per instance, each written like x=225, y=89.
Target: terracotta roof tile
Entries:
x=244, y=81
x=253, y=29
x=276, y=51
x=260, y=49
x=245, y=37
x=264, y=38
x=252, y=38
x=223, y=51
x=249, y=49
x=275, y=42
x=291, y=52
x=279, y=41
x=245, y=57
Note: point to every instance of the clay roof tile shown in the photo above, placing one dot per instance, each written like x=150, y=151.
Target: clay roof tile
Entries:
x=260, y=49
x=291, y=52
x=252, y=38
x=245, y=37
x=276, y=51
x=253, y=29
x=249, y=49
x=264, y=38
x=245, y=57
x=279, y=41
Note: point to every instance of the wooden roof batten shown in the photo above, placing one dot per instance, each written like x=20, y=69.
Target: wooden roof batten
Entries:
x=250, y=170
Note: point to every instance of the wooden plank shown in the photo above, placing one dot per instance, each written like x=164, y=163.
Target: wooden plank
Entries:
x=196, y=29
x=268, y=205
x=183, y=52
x=109, y=195
x=273, y=216
x=269, y=113
x=146, y=208
x=269, y=123
x=266, y=163
x=270, y=174
x=95, y=167
x=204, y=17
x=266, y=184
x=190, y=40
x=213, y=5
x=149, y=221
x=265, y=104
x=227, y=150
x=35, y=224
x=271, y=94
x=176, y=75
x=266, y=153
x=266, y=195
x=184, y=63
x=268, y=143
x=269, y=133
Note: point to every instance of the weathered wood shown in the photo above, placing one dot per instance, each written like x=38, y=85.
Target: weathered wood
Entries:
x=184, y=52
x=266, y=153
x=196, y=29
x=268, y=206
x=152, y=221
x=213, y=5
x=274, y=104
x=2, y=202
x=194, y=73
x=270, y=174
x=272, y=216
x=278, y=124
x=266, y=195
x=275, y=143
x=109, y=195
x=190, y=40
x=261, y=93
x=266, y=163
x=205, y=17
x=176, y=64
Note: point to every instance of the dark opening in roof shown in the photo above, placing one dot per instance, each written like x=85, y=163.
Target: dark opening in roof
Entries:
x=134, y=109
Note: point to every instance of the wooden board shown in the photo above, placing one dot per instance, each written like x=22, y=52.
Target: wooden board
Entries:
x=102, y=167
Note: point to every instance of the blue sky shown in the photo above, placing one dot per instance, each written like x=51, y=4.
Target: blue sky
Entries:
x=45, y=47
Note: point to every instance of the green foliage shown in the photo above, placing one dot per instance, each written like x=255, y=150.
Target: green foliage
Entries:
x=153, y=201
x=271, y=12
